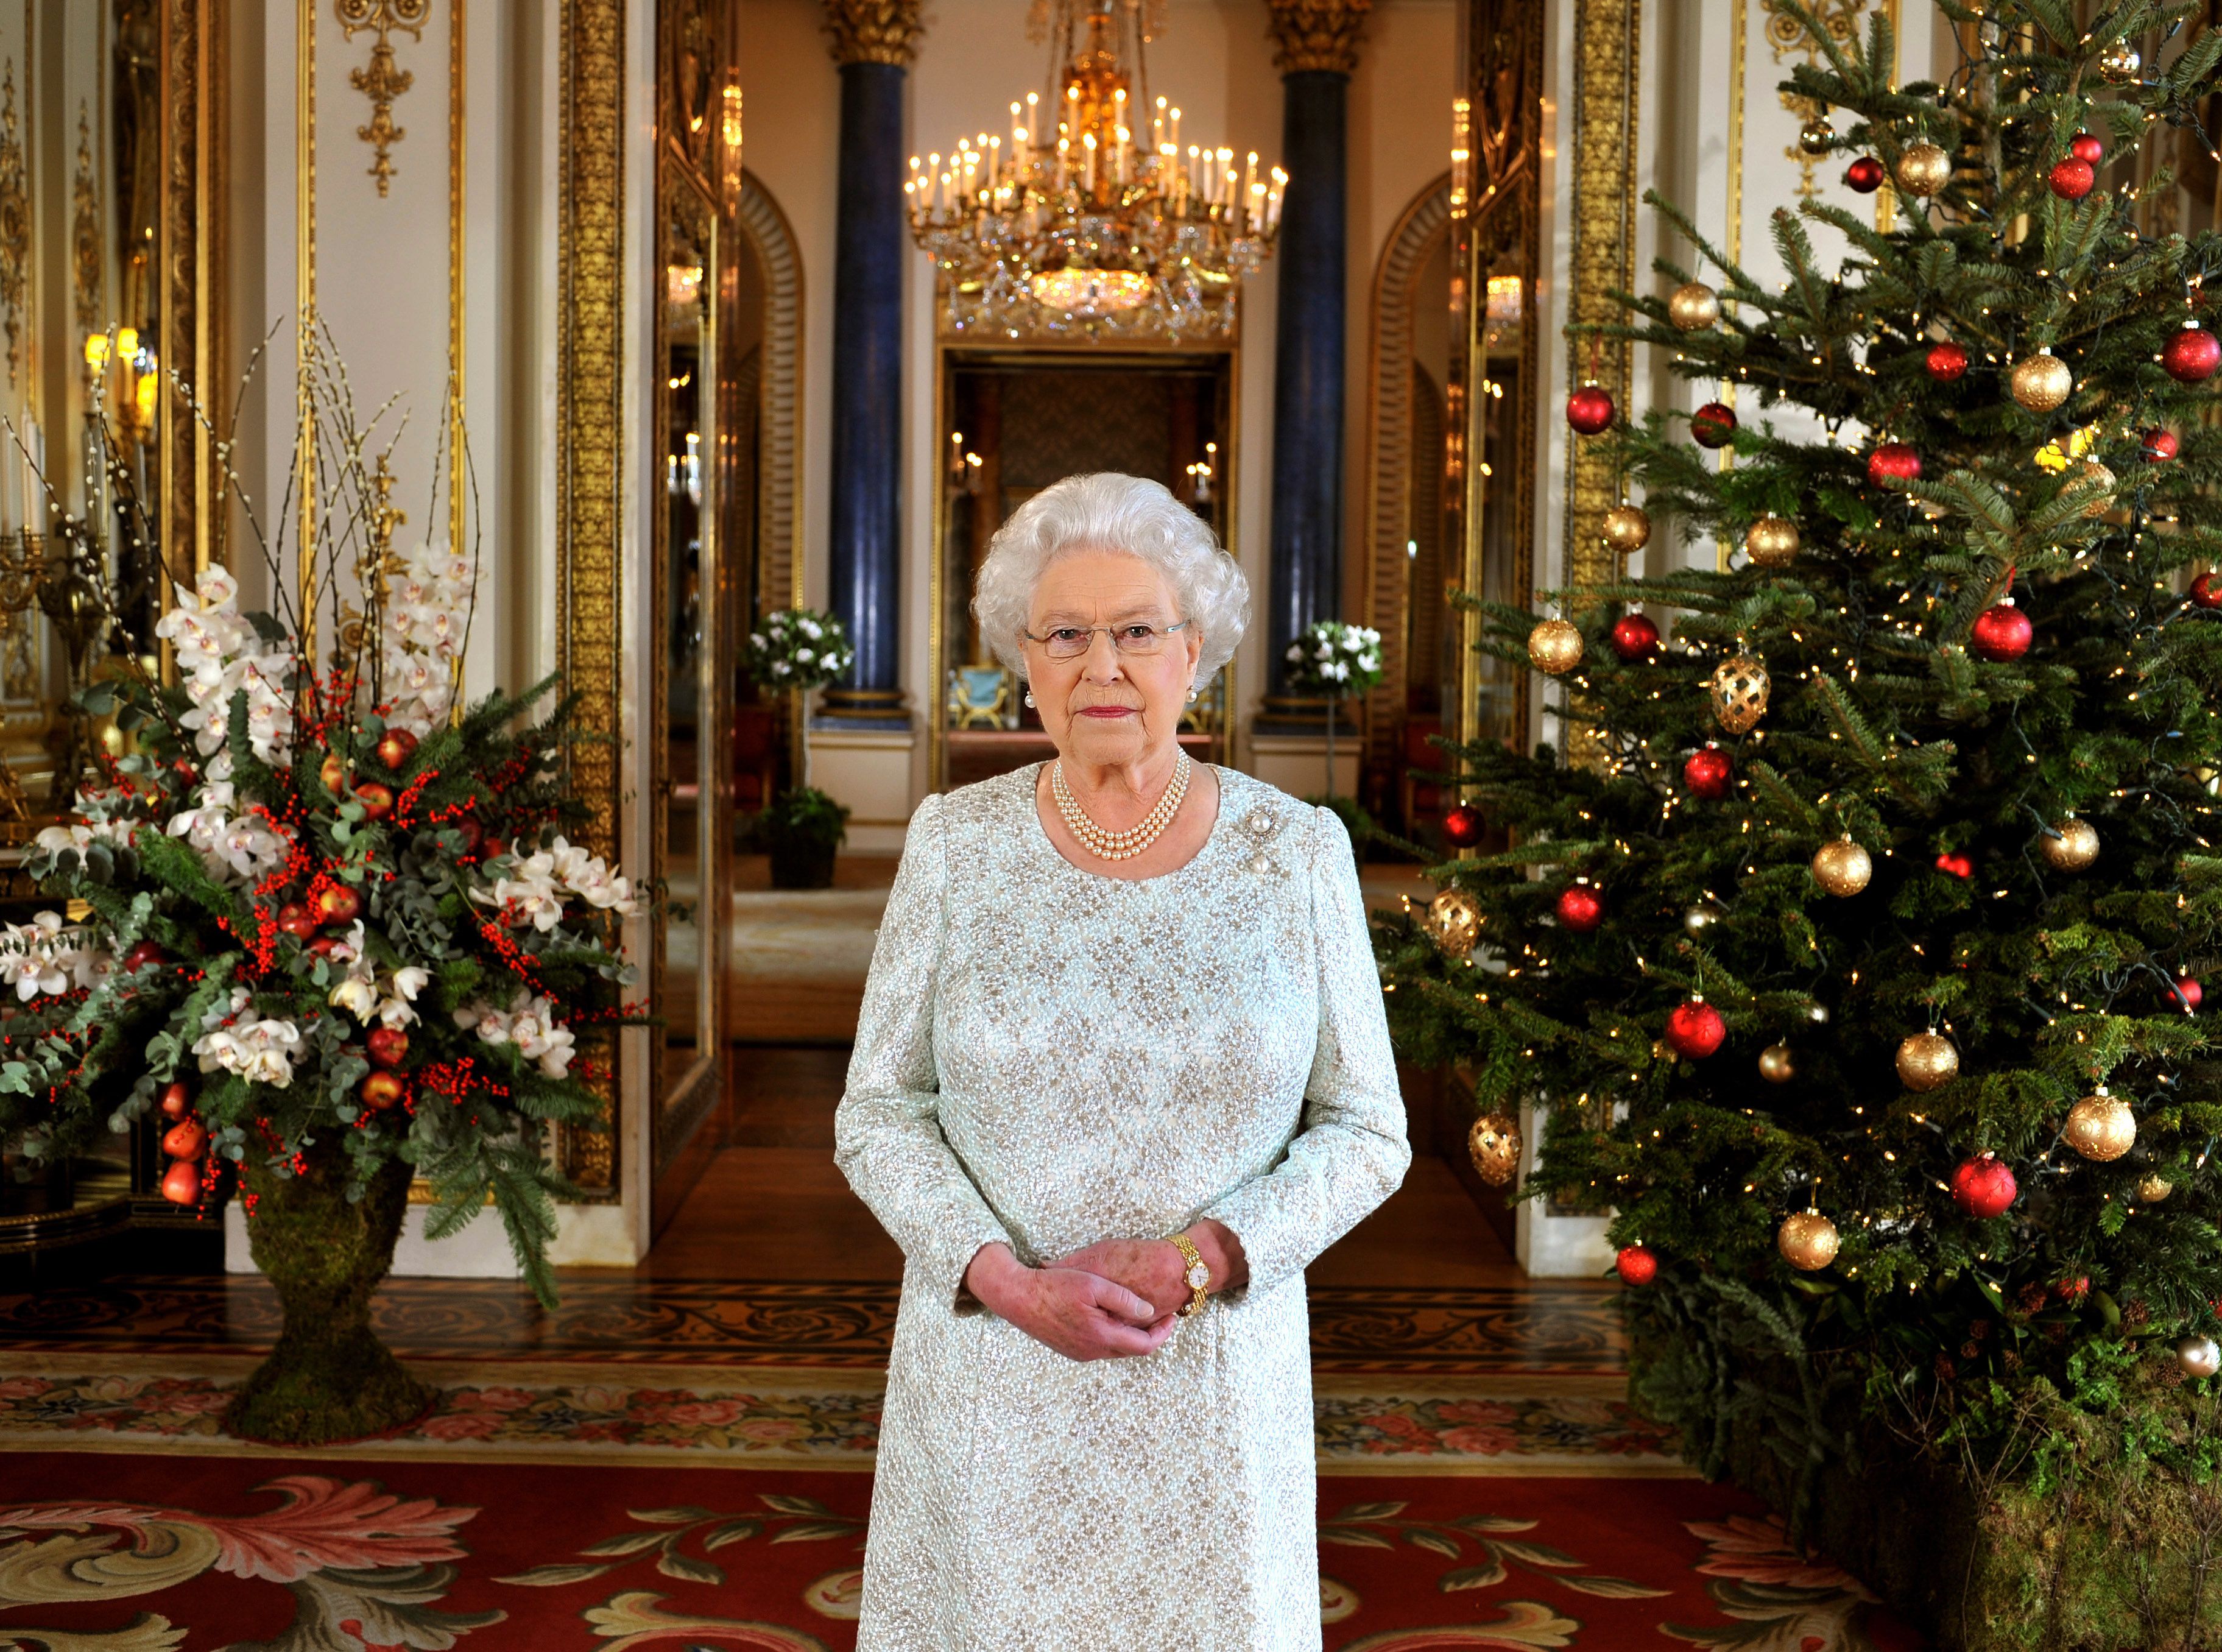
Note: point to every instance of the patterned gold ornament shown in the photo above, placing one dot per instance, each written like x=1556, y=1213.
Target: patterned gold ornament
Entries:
x=1776, y=1064
x=1494, y=1144
x=1924, y=169
x=1926, y=1060
x=2041, y=382
x=1739, y=689
x=1772, y=541
x=1692, y=305
x=2198, y=1356
x=1554, y=647
x=2091, y=471
x=1807, y=1241
x=1817, y=137
x=2101, y=1127
x=1627, y=528
x=2153, y=1187
x=1453, y=922
x=2074, y=847
x=2120, y=63
x=1843, y=867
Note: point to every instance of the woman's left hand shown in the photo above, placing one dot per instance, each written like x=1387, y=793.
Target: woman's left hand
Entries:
x=1155, y=1270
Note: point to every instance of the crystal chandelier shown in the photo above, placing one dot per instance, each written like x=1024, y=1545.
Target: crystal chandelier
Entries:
x=1084, y=226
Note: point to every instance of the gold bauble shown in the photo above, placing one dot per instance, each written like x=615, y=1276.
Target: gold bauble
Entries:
x=1627, y=528
x=1739, y=690
x=1494, y=1143
x=1926, y=1060
x=2041, y=382
x=2153, y=1187
x=2120, y=63
x=2101, y=1127
x=2070, y=846
x=1807, y=1241
x=1453, y=922
x=1817, y=137
x=1924, y=169
x=1554, y=647
x=1843, y=867
x=2091, y=471
x=2198, y=1356
x=1776, y=1064
x=1772, y=541
x=1693, y=305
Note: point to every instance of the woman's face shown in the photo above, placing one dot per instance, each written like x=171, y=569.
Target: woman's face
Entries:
x=1107, y=708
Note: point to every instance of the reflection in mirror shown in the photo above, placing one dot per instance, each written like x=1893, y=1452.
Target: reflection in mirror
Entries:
x=1500, y=402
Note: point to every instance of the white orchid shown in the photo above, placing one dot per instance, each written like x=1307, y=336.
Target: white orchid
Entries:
x=259, y=1051
x=357, y=994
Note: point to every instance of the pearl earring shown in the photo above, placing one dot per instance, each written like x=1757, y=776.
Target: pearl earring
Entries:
x=1030, y=697
x=1191, y=695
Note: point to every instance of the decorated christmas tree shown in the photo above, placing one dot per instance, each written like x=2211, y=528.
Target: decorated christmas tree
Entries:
x=1850, y=933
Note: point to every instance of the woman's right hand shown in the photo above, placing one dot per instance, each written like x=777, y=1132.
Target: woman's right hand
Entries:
x=1083, y=1316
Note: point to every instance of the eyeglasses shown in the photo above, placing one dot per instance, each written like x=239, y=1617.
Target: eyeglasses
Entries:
x=1070, y=641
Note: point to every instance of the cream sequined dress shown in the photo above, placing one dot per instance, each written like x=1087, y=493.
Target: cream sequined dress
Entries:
x=1049, y=1057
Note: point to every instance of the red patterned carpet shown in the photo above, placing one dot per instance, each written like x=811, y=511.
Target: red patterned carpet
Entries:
x=131, y=1554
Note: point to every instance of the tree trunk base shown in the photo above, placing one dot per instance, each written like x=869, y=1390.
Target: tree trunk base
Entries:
x=333, y=1388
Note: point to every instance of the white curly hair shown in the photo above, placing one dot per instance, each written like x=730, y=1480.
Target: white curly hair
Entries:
x=1110, y=512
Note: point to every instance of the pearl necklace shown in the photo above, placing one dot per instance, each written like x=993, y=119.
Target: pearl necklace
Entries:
x=1122, y=845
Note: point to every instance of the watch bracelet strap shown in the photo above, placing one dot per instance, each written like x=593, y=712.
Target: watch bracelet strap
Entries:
x=1195, y=1259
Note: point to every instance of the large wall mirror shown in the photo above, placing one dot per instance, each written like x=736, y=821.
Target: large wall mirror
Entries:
x=111, y=154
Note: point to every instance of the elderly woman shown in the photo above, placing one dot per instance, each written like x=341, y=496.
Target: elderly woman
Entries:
x=1122, y=1072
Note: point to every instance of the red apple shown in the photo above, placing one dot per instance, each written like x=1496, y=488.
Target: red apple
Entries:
x=323, y=946
x=382, y=1091
x=1637, y=1264
x=333, y=773
x=338, y=904
x=377, y=800
x=472, y=834
x=184, y=1139
x=388, y=1046
x=177, y=1100
x=395, y=747
x=144, y=953
x=296, y=920
x=182, y=1184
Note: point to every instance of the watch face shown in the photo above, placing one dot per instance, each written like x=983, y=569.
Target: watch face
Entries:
x=1198, y=1276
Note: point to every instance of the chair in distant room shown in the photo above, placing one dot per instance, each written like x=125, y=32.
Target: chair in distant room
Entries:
x=1422, y=800
x=758, y=731
x=980, y=697
x=1203, y=714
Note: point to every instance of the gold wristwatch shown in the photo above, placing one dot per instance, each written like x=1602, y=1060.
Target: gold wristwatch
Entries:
x=1197, y=1277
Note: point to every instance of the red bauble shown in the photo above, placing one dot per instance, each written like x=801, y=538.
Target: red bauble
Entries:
x=1983, y=1187
x=2072, y=178
x=1893, y=462
x=2159, y=445
x=182, y=1184
x=2203, y=593
x=1590, y=409
x=177, y=1100
x=388, y=1046
x=2086, y=148
x=1864, y=175
x=338, y=904
x=184, y=1139
x=1710, y=773
x=1713, y=425
x=381, y=1091
x=395, y=747
x=1463, y=826
x=1695, y=1029
x=1958, y=865
x=2187, y=993
x=140, y=956
x=2192, y=354
x=1634, y=638
x=1580, y=909
x=2002, y=632
x=1947, y=361
x=1636, y=1264
x=296, y=920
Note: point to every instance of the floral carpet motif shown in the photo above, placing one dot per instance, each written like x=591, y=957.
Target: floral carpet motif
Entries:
x=1509, y=1425
x=121, y=1553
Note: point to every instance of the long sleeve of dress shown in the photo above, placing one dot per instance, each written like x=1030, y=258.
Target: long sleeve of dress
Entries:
x=886, y=1132
x=1350, y=1152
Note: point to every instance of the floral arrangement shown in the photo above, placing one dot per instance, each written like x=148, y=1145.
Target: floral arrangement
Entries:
x=1334, y=658
x=329, y=919
x=799, y=649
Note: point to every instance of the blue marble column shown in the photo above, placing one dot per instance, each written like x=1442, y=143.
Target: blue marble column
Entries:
x=872, y=43
x=1318, y=41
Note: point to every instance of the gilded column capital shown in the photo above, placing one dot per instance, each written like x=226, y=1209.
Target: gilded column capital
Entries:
x=1317, y=34
x=873, y=31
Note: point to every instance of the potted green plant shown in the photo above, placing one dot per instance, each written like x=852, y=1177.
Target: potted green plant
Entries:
x=1334, y=661
x=794, y=650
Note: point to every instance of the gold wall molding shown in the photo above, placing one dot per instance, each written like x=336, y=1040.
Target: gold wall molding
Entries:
x=87, y=245
x=1787, y=34
x=190, y=272
x=382, y=80
x=590, y=294
x=1312, y=35
x=874, y=31
x=1604, y=115
x=15, y=224
x=779, y=571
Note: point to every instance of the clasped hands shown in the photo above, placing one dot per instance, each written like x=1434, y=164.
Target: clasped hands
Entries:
x=1118, y=1298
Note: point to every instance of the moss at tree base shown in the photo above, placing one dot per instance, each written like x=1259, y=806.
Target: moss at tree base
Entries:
x=329, y=1377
